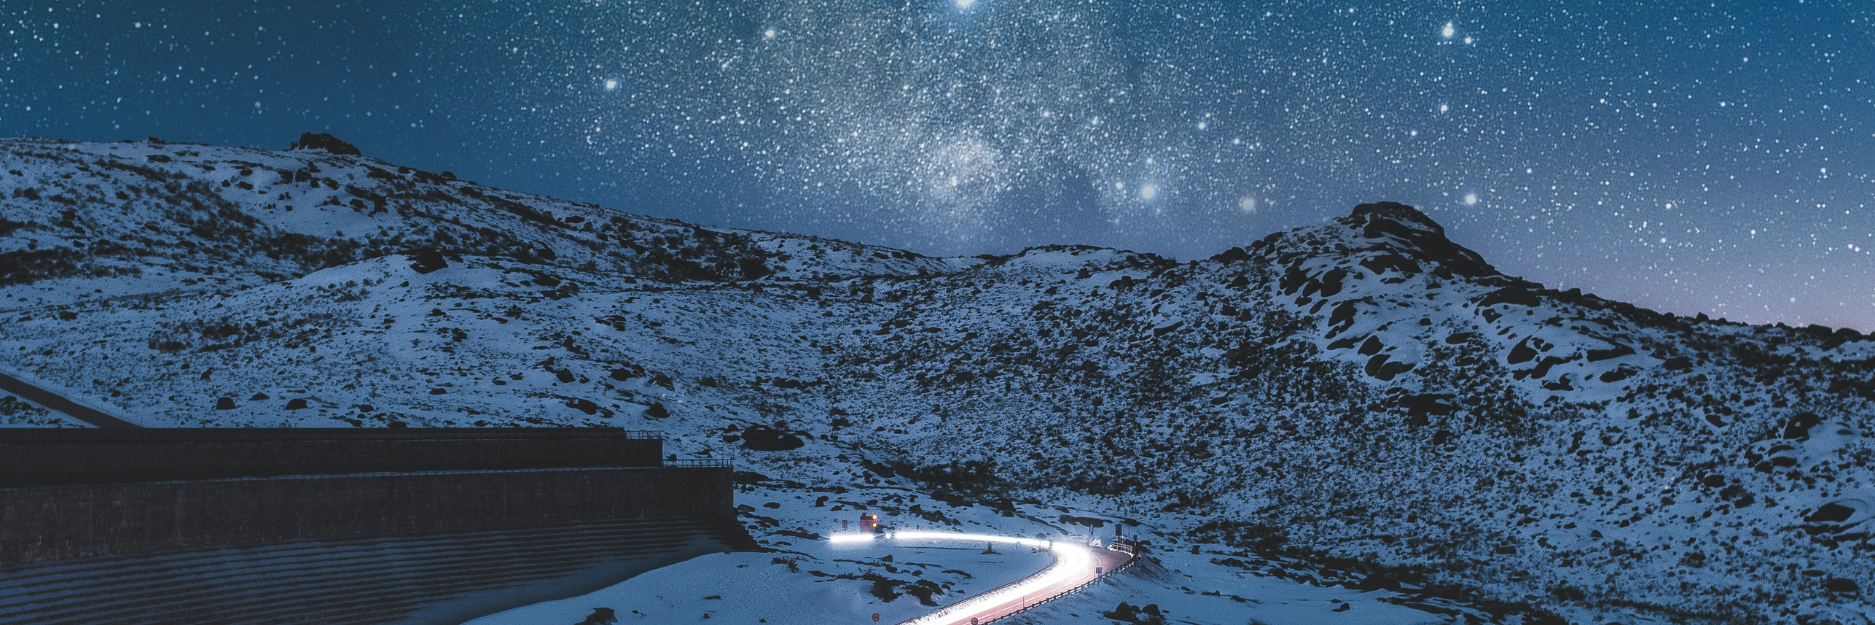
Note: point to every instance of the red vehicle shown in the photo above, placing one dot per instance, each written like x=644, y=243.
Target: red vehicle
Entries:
x=868, y=522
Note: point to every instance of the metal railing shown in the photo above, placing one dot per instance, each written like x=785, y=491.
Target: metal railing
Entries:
x=1132, y=557
x=28, y=436
x=347, y=476
x=699, y=463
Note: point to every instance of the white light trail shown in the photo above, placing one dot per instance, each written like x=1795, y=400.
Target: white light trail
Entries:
x=1071, y=560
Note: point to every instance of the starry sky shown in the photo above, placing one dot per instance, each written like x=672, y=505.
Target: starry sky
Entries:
x=1686, y=156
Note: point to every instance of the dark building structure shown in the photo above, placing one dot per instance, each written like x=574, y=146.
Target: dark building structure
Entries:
x=337, y=526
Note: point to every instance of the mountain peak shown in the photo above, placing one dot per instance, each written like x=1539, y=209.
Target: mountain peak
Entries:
x=1420, y=234
x=1399, y=213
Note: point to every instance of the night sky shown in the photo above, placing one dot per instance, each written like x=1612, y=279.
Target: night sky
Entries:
x=1688, y=157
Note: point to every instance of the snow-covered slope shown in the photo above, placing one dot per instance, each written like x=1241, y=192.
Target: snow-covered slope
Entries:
x=154, y=217
x=1365, y=395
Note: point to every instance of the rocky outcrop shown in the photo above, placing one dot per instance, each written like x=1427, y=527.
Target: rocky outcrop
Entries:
x=323, y=141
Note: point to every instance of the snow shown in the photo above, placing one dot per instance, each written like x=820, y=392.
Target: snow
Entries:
x=1324, y=396
x=755, y=588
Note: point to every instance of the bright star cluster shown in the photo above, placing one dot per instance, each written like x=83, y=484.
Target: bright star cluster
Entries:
x=1686, y=157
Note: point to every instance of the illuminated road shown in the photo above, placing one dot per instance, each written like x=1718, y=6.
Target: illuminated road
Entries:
x=1075, y=565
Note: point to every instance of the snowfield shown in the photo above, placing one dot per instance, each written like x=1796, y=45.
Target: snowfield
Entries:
x=1357, y=422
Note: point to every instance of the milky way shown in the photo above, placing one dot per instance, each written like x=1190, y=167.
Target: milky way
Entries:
x=1689, y=157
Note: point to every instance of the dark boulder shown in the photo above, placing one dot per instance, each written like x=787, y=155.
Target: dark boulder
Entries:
x=1342, y=317
x=1543, y=366
x=1798, y=427
x=1232, y=255
x=1511, y=295
x=1422, y=406
x=764, y=438
x=1293, y=279
x=426, y=260
x=1842, y=586
x=1522, y=352
x=1614, y=351
x=600, y=616
x=1128, y=613
x=1390, y=262
x=1617, y=374
x=1330, y=283
x=1381, y=368
x=323, y=141
x=1830, y=513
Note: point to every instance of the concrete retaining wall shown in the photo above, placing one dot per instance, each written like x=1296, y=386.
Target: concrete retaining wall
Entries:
x=68, y=457
x=63, y=522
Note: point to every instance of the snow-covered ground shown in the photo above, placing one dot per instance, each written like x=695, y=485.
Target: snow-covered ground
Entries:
x=809, y=579
x=761, y=588
x=1358, y=405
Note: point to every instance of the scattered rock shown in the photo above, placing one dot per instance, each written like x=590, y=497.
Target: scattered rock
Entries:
x=1830, y=513
x=426, y=260
x=1598, y=355
x=1510, y=295
x=1521, y=352
x=1380, y=368
x=1422, y=406
x=600, y=616
x=765, y=438
x=1799, y=425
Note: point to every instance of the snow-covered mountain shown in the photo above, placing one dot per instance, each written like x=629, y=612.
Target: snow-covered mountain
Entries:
x=1366, y=395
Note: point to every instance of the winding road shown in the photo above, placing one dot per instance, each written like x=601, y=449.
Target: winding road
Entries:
x=1075, y=567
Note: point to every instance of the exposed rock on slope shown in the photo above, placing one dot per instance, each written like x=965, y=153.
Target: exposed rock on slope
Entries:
x=322, y=141
x=1366, y=391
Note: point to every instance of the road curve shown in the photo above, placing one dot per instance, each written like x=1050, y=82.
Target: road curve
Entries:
x=1075, y=566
